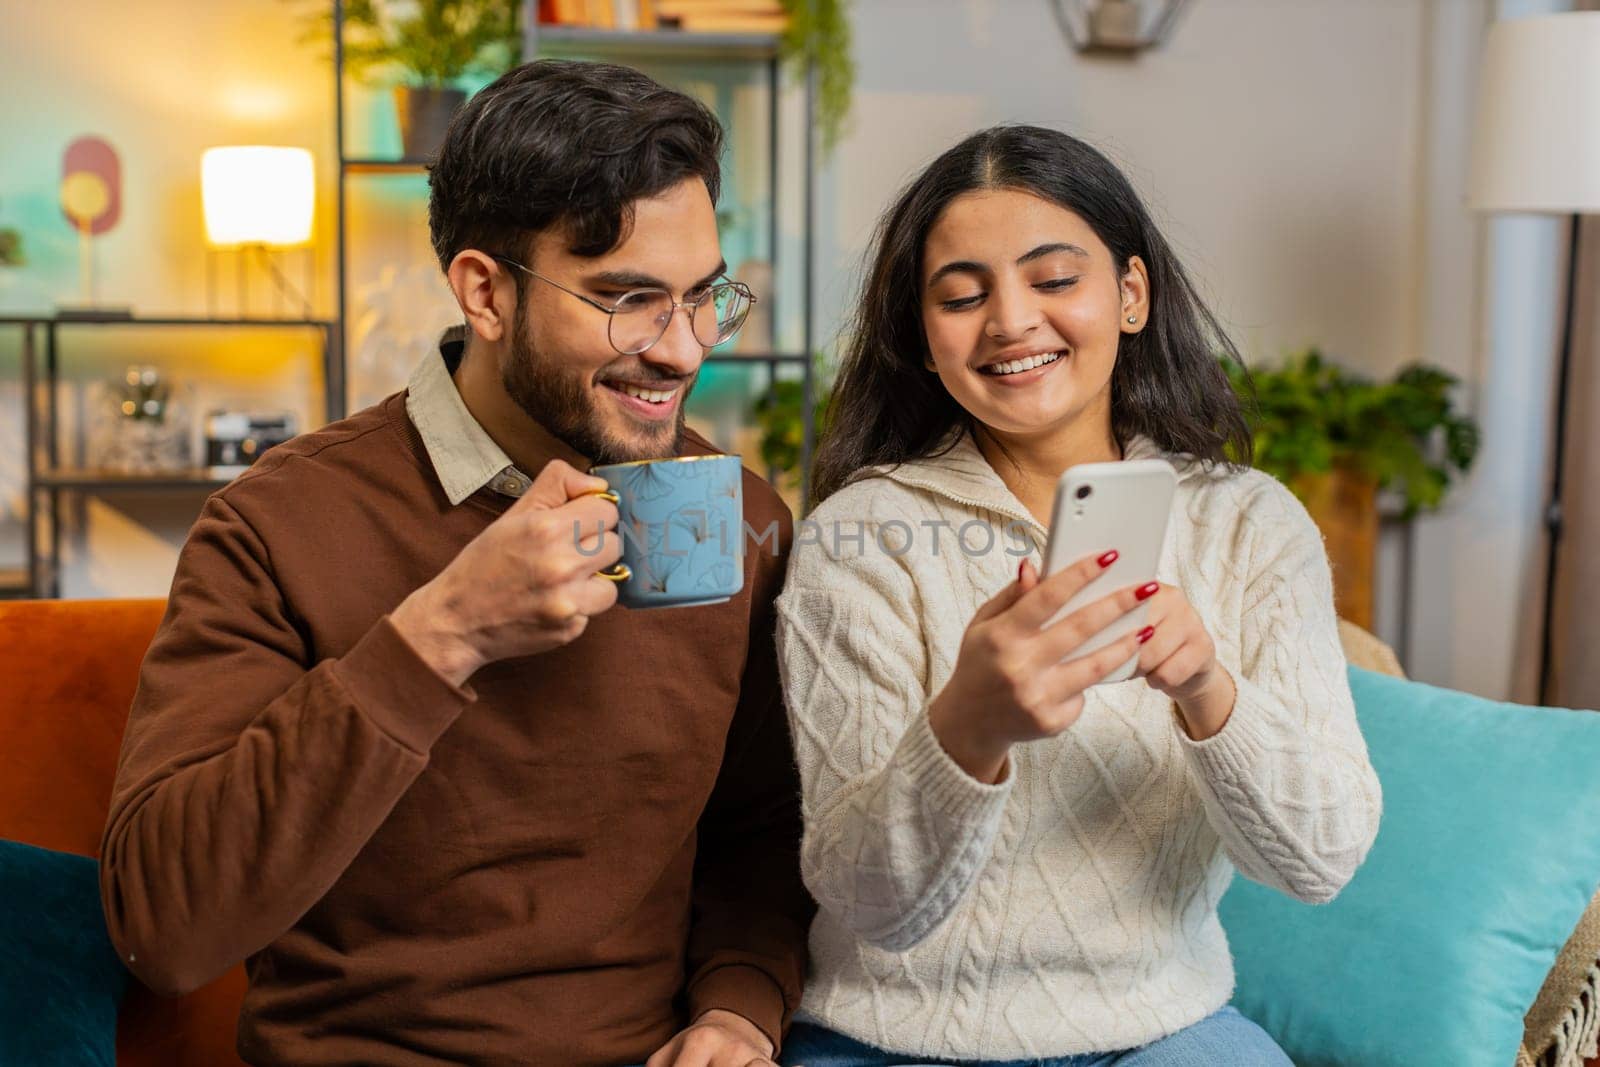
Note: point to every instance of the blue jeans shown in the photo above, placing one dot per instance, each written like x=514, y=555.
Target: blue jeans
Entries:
x=1222, y=1039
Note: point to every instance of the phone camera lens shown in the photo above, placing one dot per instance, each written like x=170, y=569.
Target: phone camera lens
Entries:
x=1083, y=492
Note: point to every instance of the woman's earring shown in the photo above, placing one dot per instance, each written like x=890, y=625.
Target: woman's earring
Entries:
x=1132, y=319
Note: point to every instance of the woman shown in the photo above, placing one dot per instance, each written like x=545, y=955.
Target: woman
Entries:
x=1010, y=864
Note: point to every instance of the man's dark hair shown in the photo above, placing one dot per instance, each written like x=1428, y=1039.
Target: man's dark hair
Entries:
x=564, y=142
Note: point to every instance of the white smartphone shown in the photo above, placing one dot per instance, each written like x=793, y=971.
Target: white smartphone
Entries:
x=1103, y=506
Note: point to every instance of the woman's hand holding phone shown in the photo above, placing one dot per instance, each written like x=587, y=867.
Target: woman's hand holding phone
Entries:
x=1181, y=661
x=1016, y=679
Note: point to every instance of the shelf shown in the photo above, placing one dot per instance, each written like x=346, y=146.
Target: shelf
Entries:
x=385, y=166
x=43, y=503
x=47, y=319
x=657, y=44
x=105, y=480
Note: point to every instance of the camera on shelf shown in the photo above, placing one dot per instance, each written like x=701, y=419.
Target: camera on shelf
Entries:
x=236, y=439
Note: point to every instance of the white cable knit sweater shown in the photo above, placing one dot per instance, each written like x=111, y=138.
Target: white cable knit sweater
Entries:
x=1072, y=907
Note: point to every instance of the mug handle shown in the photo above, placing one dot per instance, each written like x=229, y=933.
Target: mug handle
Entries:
x=619, y=571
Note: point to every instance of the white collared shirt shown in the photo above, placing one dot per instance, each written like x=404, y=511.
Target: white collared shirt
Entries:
x=464, y=456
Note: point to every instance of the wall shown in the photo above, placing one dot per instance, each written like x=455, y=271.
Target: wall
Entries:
x=162, y=81
x=1276, y=144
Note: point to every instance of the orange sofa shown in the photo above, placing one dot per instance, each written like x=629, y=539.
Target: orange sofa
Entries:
x=70, y=668
x=67, y=676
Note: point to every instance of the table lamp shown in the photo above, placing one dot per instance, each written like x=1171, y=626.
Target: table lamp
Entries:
x=257, y=198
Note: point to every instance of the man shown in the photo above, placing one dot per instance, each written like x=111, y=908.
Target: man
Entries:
x=395, y=747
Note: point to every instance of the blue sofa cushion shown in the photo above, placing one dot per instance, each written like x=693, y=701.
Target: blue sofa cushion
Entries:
x=1487, y=855
x=61, y=982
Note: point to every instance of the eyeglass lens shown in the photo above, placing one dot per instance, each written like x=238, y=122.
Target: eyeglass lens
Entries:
x=641, y=317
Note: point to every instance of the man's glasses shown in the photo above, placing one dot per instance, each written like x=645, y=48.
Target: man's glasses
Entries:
x=641, y=316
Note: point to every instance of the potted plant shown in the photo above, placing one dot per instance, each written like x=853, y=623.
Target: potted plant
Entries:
x=431, y=43
x=10, y=248
x=10, y=256
x=779, y=417
x=819, y=36
x=1337, y=439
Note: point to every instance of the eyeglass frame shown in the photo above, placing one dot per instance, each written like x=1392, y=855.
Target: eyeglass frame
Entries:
x=693, y=305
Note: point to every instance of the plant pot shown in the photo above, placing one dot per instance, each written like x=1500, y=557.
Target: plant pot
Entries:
x=1344, y=504
x=424, y=114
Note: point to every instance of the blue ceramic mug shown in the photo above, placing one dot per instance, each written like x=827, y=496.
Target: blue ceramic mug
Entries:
x=681, y=520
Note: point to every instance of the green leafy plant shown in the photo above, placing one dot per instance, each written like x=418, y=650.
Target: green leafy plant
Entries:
x=10, y=248
x=433, y=42
x=779, y=412
x=819, y=36
x=1310, y=416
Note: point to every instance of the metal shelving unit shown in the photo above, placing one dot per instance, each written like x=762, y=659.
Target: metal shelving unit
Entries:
x=48, y=475
x=638, y=46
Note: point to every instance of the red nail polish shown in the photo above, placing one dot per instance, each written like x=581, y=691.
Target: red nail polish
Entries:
x=1146, y=634
x=1108, y=559
x=1147, y=590
x=1020, y=568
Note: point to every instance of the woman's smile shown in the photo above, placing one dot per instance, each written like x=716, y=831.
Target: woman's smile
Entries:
x=1022, y=370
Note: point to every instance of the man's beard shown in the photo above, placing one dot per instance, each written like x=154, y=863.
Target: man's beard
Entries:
x=565, y=406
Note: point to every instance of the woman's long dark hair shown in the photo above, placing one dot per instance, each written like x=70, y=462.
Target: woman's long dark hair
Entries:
x=1167, y=383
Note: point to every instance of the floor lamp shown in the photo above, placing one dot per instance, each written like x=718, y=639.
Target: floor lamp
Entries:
x=1536, y=149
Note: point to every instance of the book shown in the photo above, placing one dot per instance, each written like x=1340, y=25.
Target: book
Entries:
x=732, y=7
x=734, y=23
x=726, y=16
x=571, y=12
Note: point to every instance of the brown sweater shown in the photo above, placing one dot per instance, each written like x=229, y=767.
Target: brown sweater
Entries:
x=560, y=864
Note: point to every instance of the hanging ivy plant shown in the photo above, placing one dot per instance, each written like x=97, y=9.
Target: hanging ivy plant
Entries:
x=819, y=36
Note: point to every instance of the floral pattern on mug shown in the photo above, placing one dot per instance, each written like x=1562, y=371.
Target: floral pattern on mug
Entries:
x=685, y=529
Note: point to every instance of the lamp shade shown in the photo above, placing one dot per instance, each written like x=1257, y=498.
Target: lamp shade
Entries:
x=255, y=194
x=1536, y=146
